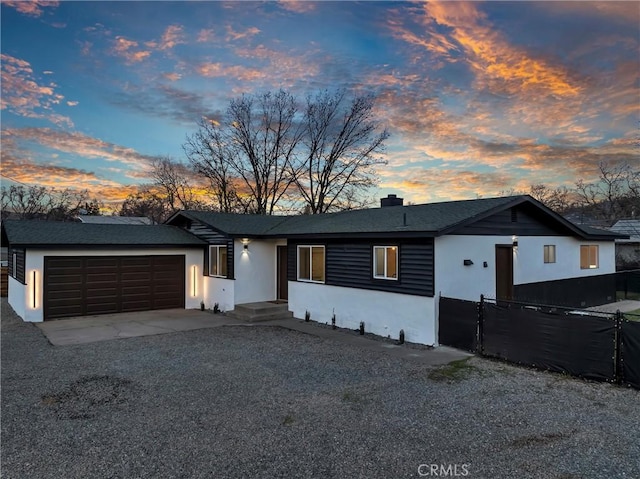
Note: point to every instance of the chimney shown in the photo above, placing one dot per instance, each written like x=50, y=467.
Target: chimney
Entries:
x=391, y=200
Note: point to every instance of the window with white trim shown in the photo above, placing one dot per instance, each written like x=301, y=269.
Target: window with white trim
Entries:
x=311, y=263
x=218, y=261
x=549, y=253
x=589, y=256
x=14, y=272
x=385, y=262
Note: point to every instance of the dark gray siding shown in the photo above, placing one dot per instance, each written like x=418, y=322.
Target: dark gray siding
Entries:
x=521, y=220
x=212, y=237
x=349, y=263
x=19, y=274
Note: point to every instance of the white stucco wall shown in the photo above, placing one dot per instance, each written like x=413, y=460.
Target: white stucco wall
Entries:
x=529, y=265
x=454, y=279
x=18, y=297
x=384, y=314
x=255, y=271
x=219, y=290
x=35, y=262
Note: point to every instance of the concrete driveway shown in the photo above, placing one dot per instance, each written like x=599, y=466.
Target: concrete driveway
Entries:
x=89, y=329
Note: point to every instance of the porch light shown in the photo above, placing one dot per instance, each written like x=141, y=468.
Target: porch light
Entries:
x=514, y=240
x=245, y=244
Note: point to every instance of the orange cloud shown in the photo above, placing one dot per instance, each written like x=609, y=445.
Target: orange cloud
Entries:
x=77, y=144
x=232, y=35
x=33, y=8
x=499, y=66
x=206, y=35
x=171, y=37
x=297, y=6
x=237, y=72
x=124, y=48
x=24, y=96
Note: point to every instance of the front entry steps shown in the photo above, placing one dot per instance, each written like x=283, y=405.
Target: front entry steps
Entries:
x=262, y=311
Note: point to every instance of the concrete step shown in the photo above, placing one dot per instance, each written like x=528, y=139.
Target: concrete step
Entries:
x=263, y=311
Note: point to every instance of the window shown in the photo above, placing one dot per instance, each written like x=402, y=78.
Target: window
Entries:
x=218, y=261
x=549, y=253
x=385, y=262
x=14, y=271
x=311, y=263
x=588, y=256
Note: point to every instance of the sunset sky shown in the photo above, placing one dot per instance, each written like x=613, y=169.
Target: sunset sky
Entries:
x=478, y=97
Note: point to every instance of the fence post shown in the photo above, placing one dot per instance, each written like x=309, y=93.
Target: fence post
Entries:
x=480, y=338
x=617, y=352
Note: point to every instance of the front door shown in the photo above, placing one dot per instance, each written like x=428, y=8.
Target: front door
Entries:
x=504, y=273
x=283, y=285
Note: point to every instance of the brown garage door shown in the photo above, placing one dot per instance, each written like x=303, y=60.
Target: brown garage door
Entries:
x=80, y=286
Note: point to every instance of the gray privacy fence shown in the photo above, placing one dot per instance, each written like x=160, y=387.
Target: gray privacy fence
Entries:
x=586, y=344
x=628, y=284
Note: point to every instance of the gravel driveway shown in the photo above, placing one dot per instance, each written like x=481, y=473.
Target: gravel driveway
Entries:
x=266, y=402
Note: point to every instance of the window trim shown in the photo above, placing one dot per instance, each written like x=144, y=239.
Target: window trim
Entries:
x=324, y=263
x=385, y=276
x=216, y=248
x=592, y=264
x=546, y=256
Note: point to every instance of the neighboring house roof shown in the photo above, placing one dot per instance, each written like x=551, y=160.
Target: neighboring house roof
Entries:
x=58, y=233
x=115, y=220
x=431, y=219
x=628, y=227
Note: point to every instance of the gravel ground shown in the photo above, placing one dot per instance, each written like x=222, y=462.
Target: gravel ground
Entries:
x=266, y=402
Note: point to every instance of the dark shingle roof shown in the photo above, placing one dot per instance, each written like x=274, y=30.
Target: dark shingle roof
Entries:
x=237, y=224
x=429, y=219
x=49, y=233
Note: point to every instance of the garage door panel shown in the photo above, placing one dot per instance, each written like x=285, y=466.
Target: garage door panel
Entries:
x=135, y=262
x=95, y=293
x=65, y=262
x=68, y=277
x=107, y=308
x=136, y=276
x=76, y=286
x=102, y=277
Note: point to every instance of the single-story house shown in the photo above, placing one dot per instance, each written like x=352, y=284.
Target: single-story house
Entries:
x=383, y=266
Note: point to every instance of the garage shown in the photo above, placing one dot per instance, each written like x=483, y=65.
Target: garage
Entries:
x=67, y=269
x=80, y=286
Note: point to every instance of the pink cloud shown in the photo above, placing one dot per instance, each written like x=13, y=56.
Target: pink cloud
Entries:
x=298, y=6
x=232, y=35
x=24, y=96
x=206, y=35
x=78, y=144
x=33, y=8
x=171, y=37
x=128, y=49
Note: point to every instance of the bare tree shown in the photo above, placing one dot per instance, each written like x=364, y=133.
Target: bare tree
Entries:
x=342, y=142
x=265, y=136
x=558, y=199
x=174, y=179
x=248, y=156
x=40, y=202
x=615, y=194
x=148, y=203
x=209, y=152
